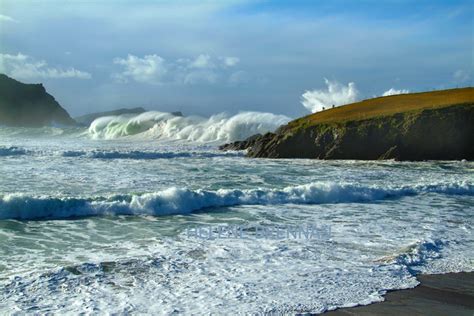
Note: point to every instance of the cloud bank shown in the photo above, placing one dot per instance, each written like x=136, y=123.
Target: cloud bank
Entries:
x=336, y=94
x=154, y=69
x=22, y=66
x=150, y=69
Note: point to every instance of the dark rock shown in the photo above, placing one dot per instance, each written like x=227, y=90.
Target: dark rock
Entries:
x=241, y=145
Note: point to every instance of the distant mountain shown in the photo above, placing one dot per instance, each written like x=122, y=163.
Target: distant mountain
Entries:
x=89, y=118
x=29, y=105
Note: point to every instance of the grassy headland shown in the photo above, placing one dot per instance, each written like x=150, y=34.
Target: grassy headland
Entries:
x=436, y=125
x=386, y=106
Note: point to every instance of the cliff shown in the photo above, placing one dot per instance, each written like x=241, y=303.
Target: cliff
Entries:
x=29, y=105
x=436, y=125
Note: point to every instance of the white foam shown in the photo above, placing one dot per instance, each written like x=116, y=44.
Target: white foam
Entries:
x=218, y=277
x=184, y=201
x=157, y=125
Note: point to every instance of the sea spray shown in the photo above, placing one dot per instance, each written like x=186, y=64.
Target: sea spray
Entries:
x=157, y=125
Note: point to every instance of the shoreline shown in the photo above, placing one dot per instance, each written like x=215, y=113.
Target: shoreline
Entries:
x=437, y=294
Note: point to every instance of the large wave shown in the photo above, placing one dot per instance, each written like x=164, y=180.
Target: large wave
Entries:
x=157, y=125
x=184, y=201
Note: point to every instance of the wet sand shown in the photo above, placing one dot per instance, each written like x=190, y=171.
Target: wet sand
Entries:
x=438, y=294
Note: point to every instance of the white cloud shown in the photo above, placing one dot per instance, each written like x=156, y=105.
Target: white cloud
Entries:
x=22, y=66
x=336, y=94
x=202, y=61
x=230, y=61
x=393, y=91
x=7, y=18
x=149, y=69
x=153, y=69
x=461, y=76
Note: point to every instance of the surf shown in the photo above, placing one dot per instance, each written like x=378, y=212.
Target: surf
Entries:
x=173, y=201
x=217, y=128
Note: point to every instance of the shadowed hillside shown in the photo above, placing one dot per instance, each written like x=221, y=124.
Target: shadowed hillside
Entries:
x=29, y=105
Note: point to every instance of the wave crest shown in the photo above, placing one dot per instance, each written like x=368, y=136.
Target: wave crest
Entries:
x=184, y=201
x=217, y=128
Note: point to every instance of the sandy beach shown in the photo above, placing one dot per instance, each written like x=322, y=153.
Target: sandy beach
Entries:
x=437, y=294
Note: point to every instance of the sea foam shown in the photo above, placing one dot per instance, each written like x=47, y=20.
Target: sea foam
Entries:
x=157, y=125
x=174, y=200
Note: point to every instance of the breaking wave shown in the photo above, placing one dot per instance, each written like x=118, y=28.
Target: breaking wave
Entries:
x=157, y=125
x=174, y=200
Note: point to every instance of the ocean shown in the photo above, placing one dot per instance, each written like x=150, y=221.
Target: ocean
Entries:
x=142, y=214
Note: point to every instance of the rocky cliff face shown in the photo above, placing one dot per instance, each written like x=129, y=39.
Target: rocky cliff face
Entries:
x=29, y=105
x=443, y=134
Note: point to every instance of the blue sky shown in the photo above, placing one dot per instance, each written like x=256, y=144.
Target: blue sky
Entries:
x=205, y=57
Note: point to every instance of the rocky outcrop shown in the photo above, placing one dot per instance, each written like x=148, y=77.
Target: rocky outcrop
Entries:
x=443, y=134
x=29, y=105
x=241, y=144
x=430, y=133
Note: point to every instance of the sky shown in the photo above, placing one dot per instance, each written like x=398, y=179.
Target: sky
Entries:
x=207, y=57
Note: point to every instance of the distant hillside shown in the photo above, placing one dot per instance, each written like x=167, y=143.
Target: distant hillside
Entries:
x=29, y=105
x=436, y=125
x=89, y=118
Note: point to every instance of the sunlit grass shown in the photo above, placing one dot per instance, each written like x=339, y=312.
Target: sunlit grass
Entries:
x=383, y=106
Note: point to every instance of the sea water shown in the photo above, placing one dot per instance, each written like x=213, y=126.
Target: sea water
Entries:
x=106, y=219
